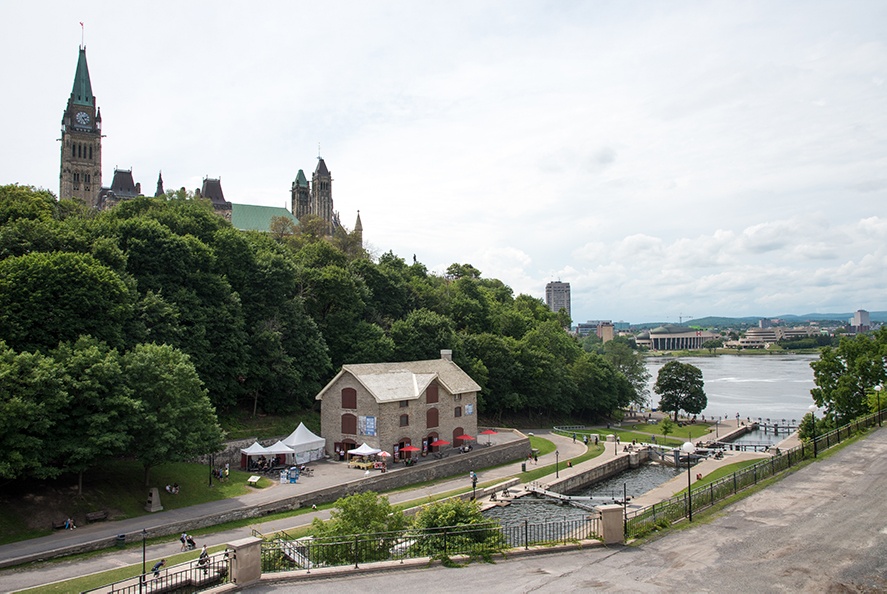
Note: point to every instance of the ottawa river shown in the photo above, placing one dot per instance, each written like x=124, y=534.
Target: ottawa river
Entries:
x=766, y=386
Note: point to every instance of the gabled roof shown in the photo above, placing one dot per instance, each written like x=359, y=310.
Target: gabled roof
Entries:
x=249, y=217
x=81, y=94
x=393, y=382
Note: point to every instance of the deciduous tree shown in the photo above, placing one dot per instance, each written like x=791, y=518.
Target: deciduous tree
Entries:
x=680, y=388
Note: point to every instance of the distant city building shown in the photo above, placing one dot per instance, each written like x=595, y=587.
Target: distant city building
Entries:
x=557, y=297
x=603, y=329
x=861, y=321
x=672, y=337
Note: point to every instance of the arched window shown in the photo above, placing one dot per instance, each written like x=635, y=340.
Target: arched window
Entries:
x=456, y=433
x=349, y=424
x=432, y=418
x=404, y=420
x=349, y=398
x=431, y=393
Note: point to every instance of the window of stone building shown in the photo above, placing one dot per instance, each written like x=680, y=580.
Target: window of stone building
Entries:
x=431, y=393
x=404, y=420
x=349, y=398
x=349, y=424
x=432, y=417
x=458, y=412
x=457, y=397
x=404, y=403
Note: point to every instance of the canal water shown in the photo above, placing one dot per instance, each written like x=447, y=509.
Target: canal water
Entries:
x=774, y=387
x=755, y=386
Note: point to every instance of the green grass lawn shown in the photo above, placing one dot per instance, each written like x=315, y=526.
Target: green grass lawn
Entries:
x=30, y=507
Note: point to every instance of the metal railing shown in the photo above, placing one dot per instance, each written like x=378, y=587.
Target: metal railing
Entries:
x=660, y=515
x=192, y=576
x=476, y=541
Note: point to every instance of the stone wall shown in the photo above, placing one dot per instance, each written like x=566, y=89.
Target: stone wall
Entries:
x=580, y=480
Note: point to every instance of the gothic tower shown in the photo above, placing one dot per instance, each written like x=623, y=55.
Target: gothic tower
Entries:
x=322, y=194
x=81, y=168
x=301, y=196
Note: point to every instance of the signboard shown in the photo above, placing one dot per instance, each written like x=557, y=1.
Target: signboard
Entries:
x=366, y=426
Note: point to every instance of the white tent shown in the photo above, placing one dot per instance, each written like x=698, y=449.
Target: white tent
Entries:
x=256, y=449
x=279, y=448
x=364, y=450
x=305, y=444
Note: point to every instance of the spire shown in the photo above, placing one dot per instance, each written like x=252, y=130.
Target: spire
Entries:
x=358, y=226
x=301, y=180
x=81, y=94
x=160, y=191
x=321, y=167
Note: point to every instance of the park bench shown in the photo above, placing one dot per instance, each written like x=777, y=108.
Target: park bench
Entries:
x=59, y=524
x=96, y=516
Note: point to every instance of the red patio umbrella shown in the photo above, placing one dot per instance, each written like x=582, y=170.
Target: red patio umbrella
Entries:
x=439, y=442
x=464, y=436
x=409, y=448
x=488, y=432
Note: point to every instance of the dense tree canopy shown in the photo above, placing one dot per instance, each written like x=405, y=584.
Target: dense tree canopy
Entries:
x=264, y=320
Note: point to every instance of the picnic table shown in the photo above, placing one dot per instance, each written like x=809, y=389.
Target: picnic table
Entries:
x=360, y=464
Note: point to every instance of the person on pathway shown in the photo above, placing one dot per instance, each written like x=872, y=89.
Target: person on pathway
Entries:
x=184, y=540
x=156, y=568
x=203, y=560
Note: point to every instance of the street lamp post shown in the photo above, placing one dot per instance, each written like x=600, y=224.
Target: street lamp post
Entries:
x=878, y=394
x=688, y=448
x=557, y=464
x=812, y=409
x=142, y=579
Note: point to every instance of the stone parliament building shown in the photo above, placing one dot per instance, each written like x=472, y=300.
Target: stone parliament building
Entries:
x=80, y=174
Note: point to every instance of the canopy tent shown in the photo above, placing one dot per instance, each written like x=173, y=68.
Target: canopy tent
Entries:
x=279, y=448
x=364, y=450
x=256, y=449
x=306, y=446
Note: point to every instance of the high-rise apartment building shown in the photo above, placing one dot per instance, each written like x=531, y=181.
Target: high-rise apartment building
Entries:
x=557, y=297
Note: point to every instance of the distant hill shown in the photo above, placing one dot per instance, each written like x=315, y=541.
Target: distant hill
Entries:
x=714, y=321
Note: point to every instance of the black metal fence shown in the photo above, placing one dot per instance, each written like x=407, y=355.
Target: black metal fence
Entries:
x=660, y=515
x=477, y=541
x=183, y=578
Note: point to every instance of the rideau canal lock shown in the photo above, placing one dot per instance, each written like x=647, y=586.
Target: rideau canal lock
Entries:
x=636, y=471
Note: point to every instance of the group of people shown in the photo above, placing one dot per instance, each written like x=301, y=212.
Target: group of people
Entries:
x=202, y=560
x=222, y=473
x=262, y=464
x=172, y=489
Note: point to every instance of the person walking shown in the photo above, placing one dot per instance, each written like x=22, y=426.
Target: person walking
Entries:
x=184, y=540
x=203, y=560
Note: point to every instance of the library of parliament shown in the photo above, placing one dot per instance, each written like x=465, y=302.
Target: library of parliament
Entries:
x=80, y=175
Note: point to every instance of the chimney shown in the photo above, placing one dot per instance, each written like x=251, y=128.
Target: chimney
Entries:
x=446, y=354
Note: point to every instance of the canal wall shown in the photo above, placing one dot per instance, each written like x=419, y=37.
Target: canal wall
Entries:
x=585, y=478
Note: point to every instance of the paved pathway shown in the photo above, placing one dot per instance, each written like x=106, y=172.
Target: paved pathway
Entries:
x=325, y=474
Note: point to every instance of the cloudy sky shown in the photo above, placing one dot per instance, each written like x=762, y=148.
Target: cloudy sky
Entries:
x=668, y=159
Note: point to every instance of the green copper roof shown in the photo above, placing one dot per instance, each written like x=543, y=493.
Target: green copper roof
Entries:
x=82, y=92
x=248, y=217
x=301, y=180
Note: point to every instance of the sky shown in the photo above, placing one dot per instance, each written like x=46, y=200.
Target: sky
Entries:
x=670, y=160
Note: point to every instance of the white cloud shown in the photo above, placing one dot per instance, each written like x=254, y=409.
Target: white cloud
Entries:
x=700, y=158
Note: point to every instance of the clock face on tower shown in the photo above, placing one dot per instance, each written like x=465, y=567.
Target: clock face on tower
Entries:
x=82, y=118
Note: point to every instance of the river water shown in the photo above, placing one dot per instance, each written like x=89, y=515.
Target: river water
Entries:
x=771, y=387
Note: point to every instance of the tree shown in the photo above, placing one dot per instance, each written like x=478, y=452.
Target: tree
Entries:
x=177, y=421
x=713, y=345
x=845, y=374
x=32, y=403
x=365, y=514
x=479, y=537
x=680, y=387
x=666, y=426
x=630, y=363
x=46, y=298
x=421, y=335
x=99, y=413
